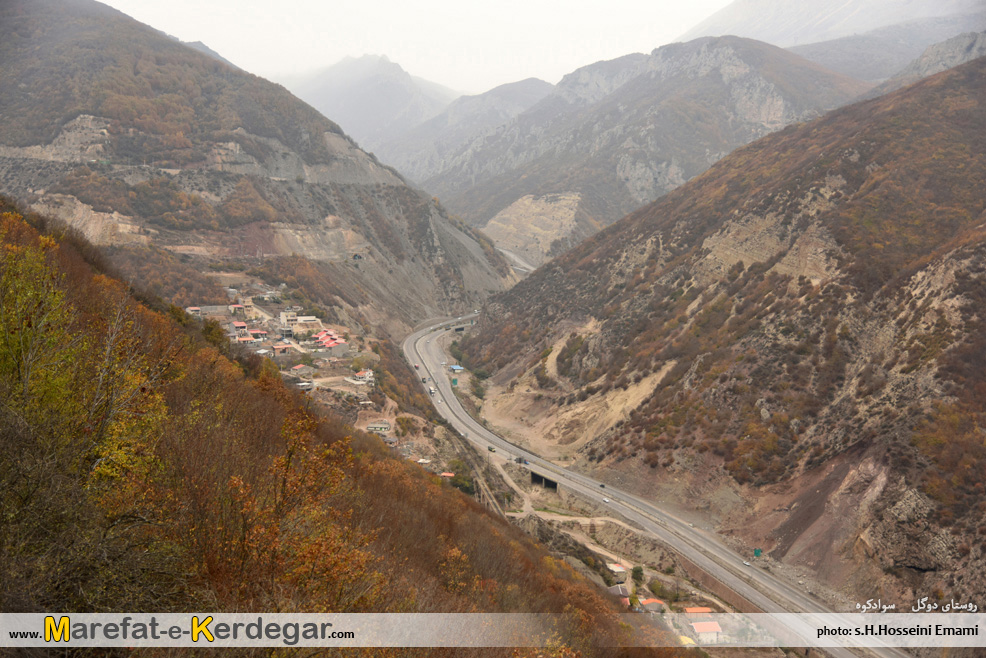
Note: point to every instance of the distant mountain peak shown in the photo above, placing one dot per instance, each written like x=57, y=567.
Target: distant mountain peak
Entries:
x=372, y=97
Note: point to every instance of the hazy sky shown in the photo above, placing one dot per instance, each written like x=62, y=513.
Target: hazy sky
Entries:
x=467, y=45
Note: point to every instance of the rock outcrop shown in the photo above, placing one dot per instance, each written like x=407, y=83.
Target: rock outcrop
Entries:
x=621, y=133
x=793, y=342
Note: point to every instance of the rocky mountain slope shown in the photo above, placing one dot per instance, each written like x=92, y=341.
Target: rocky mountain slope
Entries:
x=937, y=58
x=418, y=152
x=795, y=342
x=879, y=54
x=792, y=23
x=617, y=134
x=135, y=138
x=372, y=98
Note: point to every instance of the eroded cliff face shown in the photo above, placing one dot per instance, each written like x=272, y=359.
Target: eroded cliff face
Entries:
x=793, y=343
x=416, y=260
x=537, y=227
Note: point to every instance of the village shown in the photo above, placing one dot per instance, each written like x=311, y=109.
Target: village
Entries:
x=330, y=363
x=333, y=365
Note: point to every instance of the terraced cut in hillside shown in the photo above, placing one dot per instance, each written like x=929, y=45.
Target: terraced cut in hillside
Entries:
x=136, y=139
x=820, y=295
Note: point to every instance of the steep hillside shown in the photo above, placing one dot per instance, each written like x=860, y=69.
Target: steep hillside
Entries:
x=372, y=98
x=135, y=139
x=202, y=48
x=146, y=467
x=793, y=341
x=937, y=58
x=879, y=54
x=419, y=151
x=792, y=23
x=618, y=134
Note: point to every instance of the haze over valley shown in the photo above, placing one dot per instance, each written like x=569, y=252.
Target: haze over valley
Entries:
x=697, y=325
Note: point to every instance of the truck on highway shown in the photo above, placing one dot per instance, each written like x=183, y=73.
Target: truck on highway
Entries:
x=431, y=390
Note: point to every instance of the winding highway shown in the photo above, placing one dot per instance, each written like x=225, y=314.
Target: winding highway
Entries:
x=762, y=588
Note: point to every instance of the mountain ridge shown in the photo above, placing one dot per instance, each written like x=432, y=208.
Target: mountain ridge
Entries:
x=879, y=54
x=803, y=317
x=138, y=139
x=791, y=24
x=620, y=133
x=420, y=150
x=936, y=58
x=373, y=98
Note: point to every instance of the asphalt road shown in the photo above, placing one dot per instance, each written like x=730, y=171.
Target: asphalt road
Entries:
x=760, y=587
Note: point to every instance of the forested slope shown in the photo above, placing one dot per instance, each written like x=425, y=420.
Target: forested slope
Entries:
x=144, y=466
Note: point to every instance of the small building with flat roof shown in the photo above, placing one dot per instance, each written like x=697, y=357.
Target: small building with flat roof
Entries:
x=707, y=632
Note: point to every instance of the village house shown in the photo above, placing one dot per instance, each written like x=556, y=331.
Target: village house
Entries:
x=698, y=611
x=652, y=605
x=335, y=348
x=707, y=632
x=214, y=312
x=619, y=572
x=378, y=427
x=301, y=370
x=364, y=376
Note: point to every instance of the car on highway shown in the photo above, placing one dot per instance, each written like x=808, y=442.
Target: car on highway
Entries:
x=605, y=500
x=491, y=448
x=602, y=486
x=747, y=563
